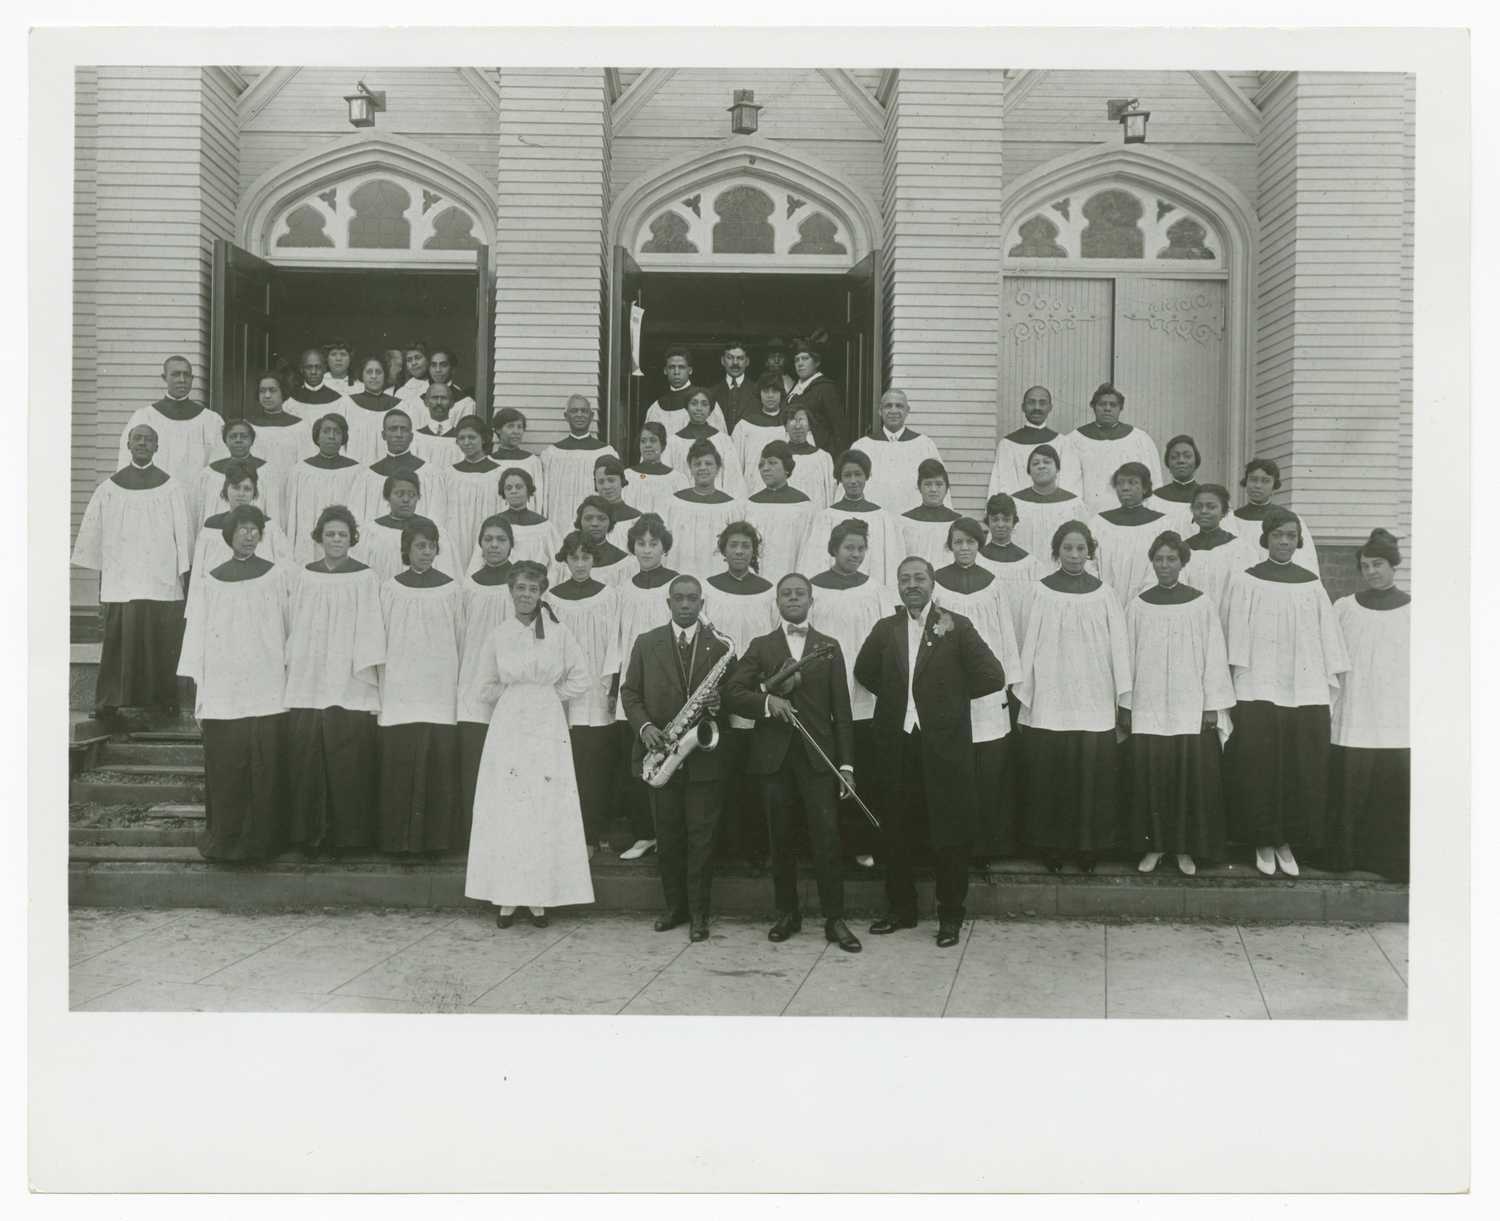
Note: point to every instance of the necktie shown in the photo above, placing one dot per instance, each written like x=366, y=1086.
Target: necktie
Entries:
x=796, y=629
x=685, y=653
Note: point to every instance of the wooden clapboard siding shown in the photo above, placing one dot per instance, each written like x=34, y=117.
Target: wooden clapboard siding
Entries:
x=1276, y=281
x=1234, y=162
x=1408, y=250
x=941, y=199
x=550, y=258
x=86, y=459
x=437, y=106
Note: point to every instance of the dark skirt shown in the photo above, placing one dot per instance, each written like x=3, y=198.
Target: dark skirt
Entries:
x=999, y=798
x=1277, y=775
x=1176, y=794
x=1370, y=802
x=333, y=765
x=420, y=797
x=594, y=749
x=244, y=791
x=471, y=738
x=138, y=663
x=1072, y=786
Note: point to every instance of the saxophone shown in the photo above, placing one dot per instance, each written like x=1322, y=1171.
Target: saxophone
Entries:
x=689, y=730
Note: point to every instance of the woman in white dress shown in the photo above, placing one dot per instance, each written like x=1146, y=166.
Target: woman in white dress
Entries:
x=780, y=513
x=421, y=805
x=527, y=846
x=731, y=477
x=239, y=440
x=367, y=409
x=884, y=552
x=651, y=483
x=698, y=514
x=329, y=477
x=235, y=650
x=1174, y=499
x=1370, y=767
x=1044, y=506
x=924, y=530
x=1075, y=670
x=1217, y=553
x=335, y=650
x=591, y=611
x=240, y=487
x=813, y=474
x=1125, y=534
x=973, y=591
x=473, y=484
x=1176, y=713
x=1288, y=658
x=487, y=604
x=1262, y=477
x=1016, y=568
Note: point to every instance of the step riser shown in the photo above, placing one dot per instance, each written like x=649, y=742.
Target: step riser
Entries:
x=134, y=837
x=158, y=754
x=125, y=793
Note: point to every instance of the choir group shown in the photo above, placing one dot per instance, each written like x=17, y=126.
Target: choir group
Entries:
x=410, y=633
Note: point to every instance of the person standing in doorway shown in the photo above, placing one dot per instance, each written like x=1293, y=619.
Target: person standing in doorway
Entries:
x=776, y=364
x=670, y=410
x=336, y=358
x=735, y=392
x=414, y=380
x=824, y=402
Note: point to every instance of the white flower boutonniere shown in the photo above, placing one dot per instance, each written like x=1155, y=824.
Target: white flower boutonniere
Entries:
x=942, y=627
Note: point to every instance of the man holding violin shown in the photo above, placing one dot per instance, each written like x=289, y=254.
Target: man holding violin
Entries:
x=790, y=675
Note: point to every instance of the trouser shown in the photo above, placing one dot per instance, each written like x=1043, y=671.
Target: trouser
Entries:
x=743, y=833
x=594, y=748
x=855, y=832
x=686, y=813
x=905, y=818
x=632, y=802
x=798, y=778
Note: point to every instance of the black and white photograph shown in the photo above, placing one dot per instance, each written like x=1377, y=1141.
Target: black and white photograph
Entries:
x=746, y=540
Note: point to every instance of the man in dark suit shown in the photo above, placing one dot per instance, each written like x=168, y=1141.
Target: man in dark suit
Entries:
x=924, y=665
x=765, y=688
x=735, y=392
x=667, y=664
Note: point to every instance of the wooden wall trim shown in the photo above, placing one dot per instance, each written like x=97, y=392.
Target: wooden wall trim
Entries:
x=869, y=111
x=479, y=81
x=1234, y=103
x=1022, y=83
x=263, y=92
x=641, y=91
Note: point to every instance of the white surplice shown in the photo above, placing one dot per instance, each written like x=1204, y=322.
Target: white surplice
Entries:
x=990, y=614
x=380, y=547
x=849, y=616
x=1122, y=561
x=653, y=493
x=1179, y=667
x=1037, y=522
x=485, y=607
x=310, y=490
x=207, y=496
x=336, y=645
x=1099, y=460
x=884, y=549
x=731, y=480
x=595, y=625
x=1210, y=571
x=138, y=541
x=1016, y=578
x=210, y=550
x=568, y=477
x=234, y=647
x=928, y=539
x=893, y=470
x=783, y=528
x=1075, y=660
x=640, y=610
x=1372, y=709
x=472, y=496
x=1285, y=645
x=183, y=447
x=1306, y=556
x=812, y=475
x=1009, y=474
x=696, y=524
x=424, y=642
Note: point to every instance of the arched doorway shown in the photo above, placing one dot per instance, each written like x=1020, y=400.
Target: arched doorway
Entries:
x=749, y=241
x=1132, y=266
x=374, y=240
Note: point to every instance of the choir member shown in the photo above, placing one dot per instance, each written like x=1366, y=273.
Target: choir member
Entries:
x=240, y=487
x=421, y=805
x=413, y=383
x=136, y=534
x=1104, y=445
x=239, y=439
x=366, y=410
x=1287, y=656
x=1174, y=499
x=591, y=611
x=440, y=369
x=310, y=394
x=535, y=537
x=609, y=486
x=187, y=432
x=337, y=357
x=335, y=648
x=882, y=531
x=670, y=410
x=1009, y=472
x=568, y=466
x=642, y=606
x=528, y=846
x=1044, y=505
x=1217, y=553
x=284, y=439
x=399, y=458
x=235, y=651
x=731, y=477
x=974, y=592
x=1262, y=477
x=329, y=477
x=699, y=513
x=741, y=604
x=1075, y=670
x=473, y=483
x=612, y=565
x=757, y=429
x=781, y=513
x=924, y=529
x=486, y=604
x=821, y=397
x=1017, y=569
x=895, y=452
x=814, y=471
x=848, y=603
x=509, y=443
x=1124, y=534
x=651, y=482
x=382, y=546
x=734, y=393
x=1370, y=764
x=435, y=441
x=1176, y=712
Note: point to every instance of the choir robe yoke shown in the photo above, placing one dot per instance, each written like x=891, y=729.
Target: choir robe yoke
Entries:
x=1372, y=710
x=336, y=644
x=1284, y=640
x=1075, y=657
x=1179, y=663
x=424, y=639
x=235, y=645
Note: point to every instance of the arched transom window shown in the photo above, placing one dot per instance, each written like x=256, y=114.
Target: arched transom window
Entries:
x=1121, y=224
x=379, y=216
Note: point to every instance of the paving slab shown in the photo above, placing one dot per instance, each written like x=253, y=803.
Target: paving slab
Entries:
x=1180, y=971
x=197, y=944
x=158, y=996
x=86, y=984
x=579, y=974
x=1031, y=969
x=1394, y=939
x=1324, y=971
x=91, y=931
x=735, y=973
x=900, y=974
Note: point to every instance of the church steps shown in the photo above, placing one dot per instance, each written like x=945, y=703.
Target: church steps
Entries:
x=133, y=790
x=133, y=751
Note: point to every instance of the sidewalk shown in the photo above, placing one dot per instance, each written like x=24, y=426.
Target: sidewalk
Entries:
x=438, y=962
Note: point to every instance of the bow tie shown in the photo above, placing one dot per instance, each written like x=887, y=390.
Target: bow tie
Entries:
x=796, y=629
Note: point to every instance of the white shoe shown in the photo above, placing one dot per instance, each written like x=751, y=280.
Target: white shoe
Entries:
x=1185, y=864
x=592, y=850
x=1149, y=862
x=1265, y=861
x=638, y=849
x=865, y=861
x=1287, y=861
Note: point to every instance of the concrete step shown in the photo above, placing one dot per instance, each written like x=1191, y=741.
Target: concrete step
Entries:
x=134, y=792
x=148, y=773
x=138, y=837
x=191, y=735
x=151, y=753
x=179, y=810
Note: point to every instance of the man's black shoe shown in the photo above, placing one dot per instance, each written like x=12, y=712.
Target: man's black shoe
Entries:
x=785, y=926
x=699, y=929
x=947, y=935
x=889, y=924
x=838, y=932
x=667, y=921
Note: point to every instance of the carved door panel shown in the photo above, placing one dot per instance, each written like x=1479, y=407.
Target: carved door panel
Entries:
x=239, y=329
x=1169, y=361
x=1058, y=333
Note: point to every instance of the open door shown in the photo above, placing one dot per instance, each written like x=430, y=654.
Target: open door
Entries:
x=484, y=339
x=240, y=331
x=863, y=359
x=619, y=396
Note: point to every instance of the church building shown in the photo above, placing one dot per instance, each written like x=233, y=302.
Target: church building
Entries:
x=1232, y=250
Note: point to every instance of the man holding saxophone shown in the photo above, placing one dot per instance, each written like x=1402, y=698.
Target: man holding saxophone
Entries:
x=670, y=693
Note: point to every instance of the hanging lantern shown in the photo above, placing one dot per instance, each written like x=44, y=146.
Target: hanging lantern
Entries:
x=1127, y=113
x=363, y=105
x=744, y=115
